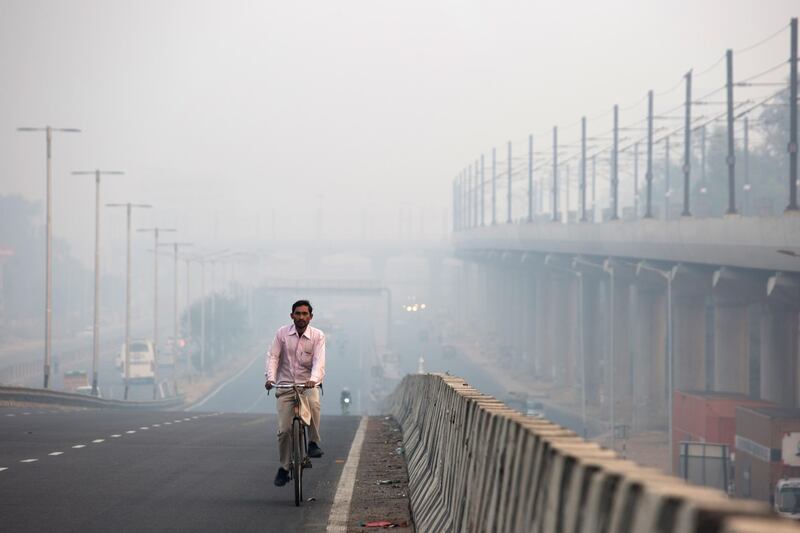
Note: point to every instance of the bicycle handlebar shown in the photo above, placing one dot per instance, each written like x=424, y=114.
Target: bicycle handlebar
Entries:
x=300, y=385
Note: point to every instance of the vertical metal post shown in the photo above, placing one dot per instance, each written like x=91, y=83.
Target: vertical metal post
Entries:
x=483, y=192
x=583, y=176
x=530, y=178
x=508, y=210
x=96, y=324
x=636, y=180
x=687, y=146
x=746, y=187
x=175, y=309
x=594, y=188
x=611, y=348
x=155, y=314
x=470, y=195
x=648, y=176
x=793, y=120
x=615, y=168
x=477, y=195
x=555, y=174
x=731, y=160
x=48, y=307
x=494, y=186
x=455, y=207
x=667, y=184
x=670, y=362
x=189, y=318
x=202, y=317
x=582, y=350
x=703, y=154
x=566, y=193
x=127, y=362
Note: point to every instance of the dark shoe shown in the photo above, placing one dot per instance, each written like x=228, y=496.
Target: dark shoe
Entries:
x=314, y=450
x=282, y=477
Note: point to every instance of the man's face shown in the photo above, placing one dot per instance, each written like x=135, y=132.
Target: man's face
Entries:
x=301, y=316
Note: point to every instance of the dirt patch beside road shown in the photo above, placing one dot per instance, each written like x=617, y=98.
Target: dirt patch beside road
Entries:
x=381, y=488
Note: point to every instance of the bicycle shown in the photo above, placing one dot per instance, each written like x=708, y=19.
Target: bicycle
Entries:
x=299, y=459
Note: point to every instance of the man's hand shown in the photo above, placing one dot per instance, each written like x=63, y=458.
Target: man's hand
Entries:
x=310, y=384
x=269, y=384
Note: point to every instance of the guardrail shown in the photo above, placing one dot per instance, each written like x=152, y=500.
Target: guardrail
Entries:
x=477, y=465
x=23, y=394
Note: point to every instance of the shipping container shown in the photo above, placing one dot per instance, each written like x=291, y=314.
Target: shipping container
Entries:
x=705, y=416
x=767, y=446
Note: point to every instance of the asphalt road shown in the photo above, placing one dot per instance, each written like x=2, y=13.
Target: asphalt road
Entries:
x=107, y=470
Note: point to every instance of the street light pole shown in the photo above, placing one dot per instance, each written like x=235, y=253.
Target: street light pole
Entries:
x=96, y=325
x=48, y=307
x=175, y=246
x=128, y=207
x=155, y=231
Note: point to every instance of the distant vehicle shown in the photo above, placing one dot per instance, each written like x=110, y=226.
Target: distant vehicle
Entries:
x=344, y=399
x=787, y=498
x=75, y=379
x=142, y=364
x=87, y=390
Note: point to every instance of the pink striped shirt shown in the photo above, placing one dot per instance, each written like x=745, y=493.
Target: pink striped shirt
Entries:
x=292, y=359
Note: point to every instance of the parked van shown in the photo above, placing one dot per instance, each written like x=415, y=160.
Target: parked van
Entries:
x=142, y=362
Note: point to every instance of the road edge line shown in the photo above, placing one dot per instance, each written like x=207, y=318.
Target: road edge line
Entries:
x=340, y=508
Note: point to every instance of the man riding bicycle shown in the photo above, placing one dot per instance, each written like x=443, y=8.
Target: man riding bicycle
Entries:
x=296, y=357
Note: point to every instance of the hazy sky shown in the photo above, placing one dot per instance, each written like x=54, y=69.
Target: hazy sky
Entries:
x=222, y=113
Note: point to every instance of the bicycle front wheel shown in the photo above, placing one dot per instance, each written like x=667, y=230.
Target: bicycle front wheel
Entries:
x=297, y=461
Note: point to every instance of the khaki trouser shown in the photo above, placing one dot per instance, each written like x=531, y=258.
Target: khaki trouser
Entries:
x=285, y=399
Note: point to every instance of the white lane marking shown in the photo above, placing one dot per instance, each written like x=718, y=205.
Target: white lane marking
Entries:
x=340, y=508
x=29, y=460
x=167, y=423
x=98, y=441
x=78, y=446
x=131, y=432
x=224, y=384
x=144, y=427
x=177, y=421
x=116, y=436
x=3, y=468
x=55, y=453
x=156, y=425
x=25, y=413
x=11, y=414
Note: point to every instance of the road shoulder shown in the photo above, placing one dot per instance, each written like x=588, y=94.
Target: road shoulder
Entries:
x=381, y=487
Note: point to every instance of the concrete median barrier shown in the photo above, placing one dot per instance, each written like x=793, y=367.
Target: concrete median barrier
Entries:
x=476, y=465
x=45, y=396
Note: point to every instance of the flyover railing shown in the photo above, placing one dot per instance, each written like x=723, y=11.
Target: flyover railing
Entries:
x=477, y=465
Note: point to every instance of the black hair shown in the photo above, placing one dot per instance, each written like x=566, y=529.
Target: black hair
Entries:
x=298, y=303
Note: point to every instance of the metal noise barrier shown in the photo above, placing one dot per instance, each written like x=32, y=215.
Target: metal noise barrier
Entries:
x=476, y=465
x=22, y=394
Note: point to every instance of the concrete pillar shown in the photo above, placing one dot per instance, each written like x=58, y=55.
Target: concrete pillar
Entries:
x=621, y=373
x=689, y=341
x=593, y=338
x=544, y=327
x=731, y=348
x=563, y=328
x=649, y=319
x=779, y=353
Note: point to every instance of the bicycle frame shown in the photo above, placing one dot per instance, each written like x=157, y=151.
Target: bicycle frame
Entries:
x=299, y=443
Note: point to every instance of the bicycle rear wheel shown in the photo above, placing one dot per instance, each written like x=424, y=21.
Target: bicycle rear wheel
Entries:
x=297, y=461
